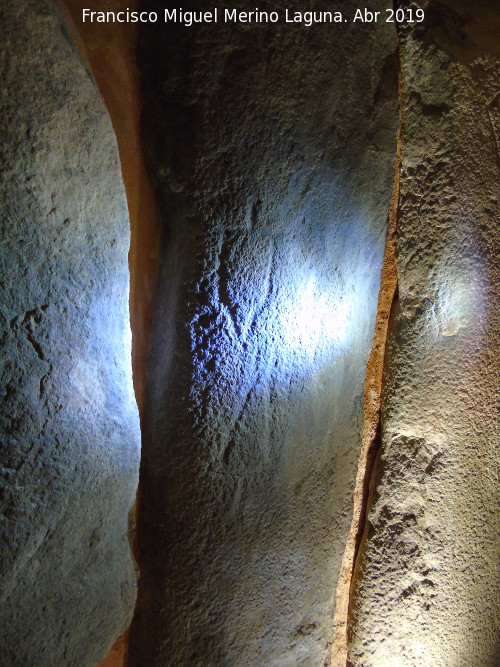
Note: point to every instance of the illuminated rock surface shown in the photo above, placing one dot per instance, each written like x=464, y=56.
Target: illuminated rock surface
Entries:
x=69, y=458
x=273, y=150
x=427, y=592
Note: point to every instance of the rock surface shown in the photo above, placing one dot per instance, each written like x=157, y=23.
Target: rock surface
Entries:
x=427, y=592
x=273, y=151
x=111, y=52
x=69, y=461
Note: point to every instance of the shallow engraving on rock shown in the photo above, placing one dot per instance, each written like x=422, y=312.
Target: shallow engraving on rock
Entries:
x=273, y=150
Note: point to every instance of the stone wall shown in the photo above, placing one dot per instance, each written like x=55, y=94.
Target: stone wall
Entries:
x=69, y=458
x=272, y=150
x=110, y=50
x=427, y=590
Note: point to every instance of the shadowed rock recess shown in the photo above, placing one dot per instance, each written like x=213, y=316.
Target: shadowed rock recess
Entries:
x=69, y=457
x=272, y=148
x=427, y=591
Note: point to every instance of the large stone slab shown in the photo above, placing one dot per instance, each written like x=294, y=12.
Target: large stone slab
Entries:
x=69, y=457
x=273, y=152
x=428, y=587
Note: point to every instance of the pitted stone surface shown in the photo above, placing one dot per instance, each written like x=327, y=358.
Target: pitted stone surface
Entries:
x=273, y=151
x=427, y=592
x=69, y=459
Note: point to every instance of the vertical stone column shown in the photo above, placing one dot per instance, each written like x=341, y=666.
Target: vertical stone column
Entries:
x=272, y=148
x=427, y=592
x=70, y=451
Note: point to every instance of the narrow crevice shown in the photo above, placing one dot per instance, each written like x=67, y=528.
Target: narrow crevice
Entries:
x=110, y=58
x=371, y=435
x=369, y=491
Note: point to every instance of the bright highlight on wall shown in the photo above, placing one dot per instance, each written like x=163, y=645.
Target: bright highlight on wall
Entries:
x=459, y=300
x=316, y=318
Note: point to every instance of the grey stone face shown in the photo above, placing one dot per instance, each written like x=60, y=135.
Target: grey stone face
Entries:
x=428, y=587
x=70, y=432
x=273, y=152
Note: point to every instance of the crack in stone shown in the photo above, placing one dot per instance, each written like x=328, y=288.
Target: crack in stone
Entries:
x=371, y=437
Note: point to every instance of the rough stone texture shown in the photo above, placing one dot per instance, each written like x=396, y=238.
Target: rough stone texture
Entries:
x=69, y=457
x=427, y=593
x=273, y=151
x=370, y=438
x=110, y=49
x=111, y=52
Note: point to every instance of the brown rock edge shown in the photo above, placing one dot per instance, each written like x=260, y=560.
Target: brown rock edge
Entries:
x=109, y=51
x=372, y=399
